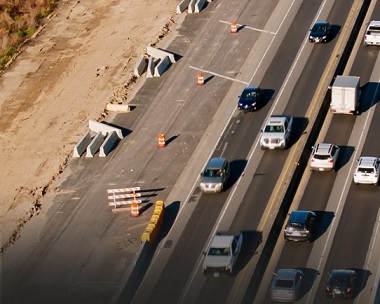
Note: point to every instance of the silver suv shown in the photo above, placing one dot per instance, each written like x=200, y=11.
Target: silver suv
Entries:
x=276, y=133
x=324, y=157
x=214, y=177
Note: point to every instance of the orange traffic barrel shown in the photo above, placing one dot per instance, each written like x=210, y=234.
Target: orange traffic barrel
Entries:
x=135, y=209
x=161, y=140
x=234, y=27
x=201, y=79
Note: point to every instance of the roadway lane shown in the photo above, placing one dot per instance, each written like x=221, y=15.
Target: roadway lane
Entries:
x=170, y=283
x=352, y=234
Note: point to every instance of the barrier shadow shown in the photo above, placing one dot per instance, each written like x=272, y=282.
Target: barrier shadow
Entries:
x=298, y=129
x=237, y=168
x=172, y=138
x=145, y=207
x=240, y=27
x=324, y=219
x=369, y=96
x=154, y=190
x=344, y=156
x=170, y=214
x=124, y=131
x=208, y=78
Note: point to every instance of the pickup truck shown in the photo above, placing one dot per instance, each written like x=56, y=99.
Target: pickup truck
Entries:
x=222, y=252
x=372, y=34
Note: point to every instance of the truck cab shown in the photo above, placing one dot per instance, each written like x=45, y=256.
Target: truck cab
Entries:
x=222, y=252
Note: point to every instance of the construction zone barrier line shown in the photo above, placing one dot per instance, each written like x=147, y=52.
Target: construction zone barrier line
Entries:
x=152, y=229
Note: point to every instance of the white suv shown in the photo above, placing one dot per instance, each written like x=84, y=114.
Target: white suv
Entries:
x=324, y=157
x=367, y=171
x=276, y=133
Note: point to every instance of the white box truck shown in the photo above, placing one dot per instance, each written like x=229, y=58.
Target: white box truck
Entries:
x=345, y=94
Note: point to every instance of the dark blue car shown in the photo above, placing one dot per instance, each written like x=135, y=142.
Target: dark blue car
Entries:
x=320, y=32
x=249, y=99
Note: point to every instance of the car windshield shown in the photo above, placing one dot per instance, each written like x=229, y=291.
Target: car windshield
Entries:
x=297, y=225
x=211, y=172
x=274, y=129
x=219, y=251
x=249, y=95
x=320, y=28
x=366, y=170
x=284, y=284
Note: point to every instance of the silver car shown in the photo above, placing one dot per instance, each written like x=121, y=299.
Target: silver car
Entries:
x=324, y=157
x=286, y=285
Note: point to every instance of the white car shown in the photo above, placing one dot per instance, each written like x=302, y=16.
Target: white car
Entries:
x=323, y=157
x=367, y=171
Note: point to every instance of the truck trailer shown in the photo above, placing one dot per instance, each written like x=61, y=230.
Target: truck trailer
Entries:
x=345, y=94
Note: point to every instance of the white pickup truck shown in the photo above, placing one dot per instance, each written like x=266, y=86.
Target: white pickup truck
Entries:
x=222, y=252
x=372, y=34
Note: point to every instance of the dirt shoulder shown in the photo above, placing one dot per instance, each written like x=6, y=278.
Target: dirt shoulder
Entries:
x=82, y=59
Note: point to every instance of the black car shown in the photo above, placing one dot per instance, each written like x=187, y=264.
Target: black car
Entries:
x=300, y=226
x=341, y=283
x=249, y=99
x=320, y=32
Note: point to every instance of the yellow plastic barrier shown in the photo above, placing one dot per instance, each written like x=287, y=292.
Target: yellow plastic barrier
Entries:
x=155, y=222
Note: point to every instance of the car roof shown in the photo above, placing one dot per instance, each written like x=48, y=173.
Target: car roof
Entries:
x=216, y=162
x=287, y=274
x=374, y=23
x=298, y=216
x=341, y=273
x=367, y=161
x=323, y=148
x=222, y=241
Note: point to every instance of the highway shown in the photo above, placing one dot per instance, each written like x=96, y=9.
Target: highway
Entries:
x=183, y=281
x=81, y=251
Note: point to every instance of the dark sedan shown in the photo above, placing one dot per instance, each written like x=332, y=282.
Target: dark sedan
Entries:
x=249, y=99
x=341, y=283
x=320, y=32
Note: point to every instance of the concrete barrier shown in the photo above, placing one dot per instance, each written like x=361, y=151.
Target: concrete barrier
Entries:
x=82, y=144
x=122, y=108
x=108, y=144
x=103, y=128
x=199, y=5
x=150, y=68
x=182, y=6
x=191, y=7
x=140, y=66
x=94, y=145
x=162, y=66
x=157, y=53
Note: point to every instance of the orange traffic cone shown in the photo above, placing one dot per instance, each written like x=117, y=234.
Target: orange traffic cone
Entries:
x=201, y=79
x=161, y=140
x=234, y=28
x=135, y=209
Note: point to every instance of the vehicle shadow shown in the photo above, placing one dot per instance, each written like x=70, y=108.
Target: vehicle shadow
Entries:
x=299, y=127
x=361, y=280
x=334, y=31
x=324, y=219
x=237, y=168
x=266, y=97
x=344, y=156
x=309, y=277
x=369, y=96
x=251, y=241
